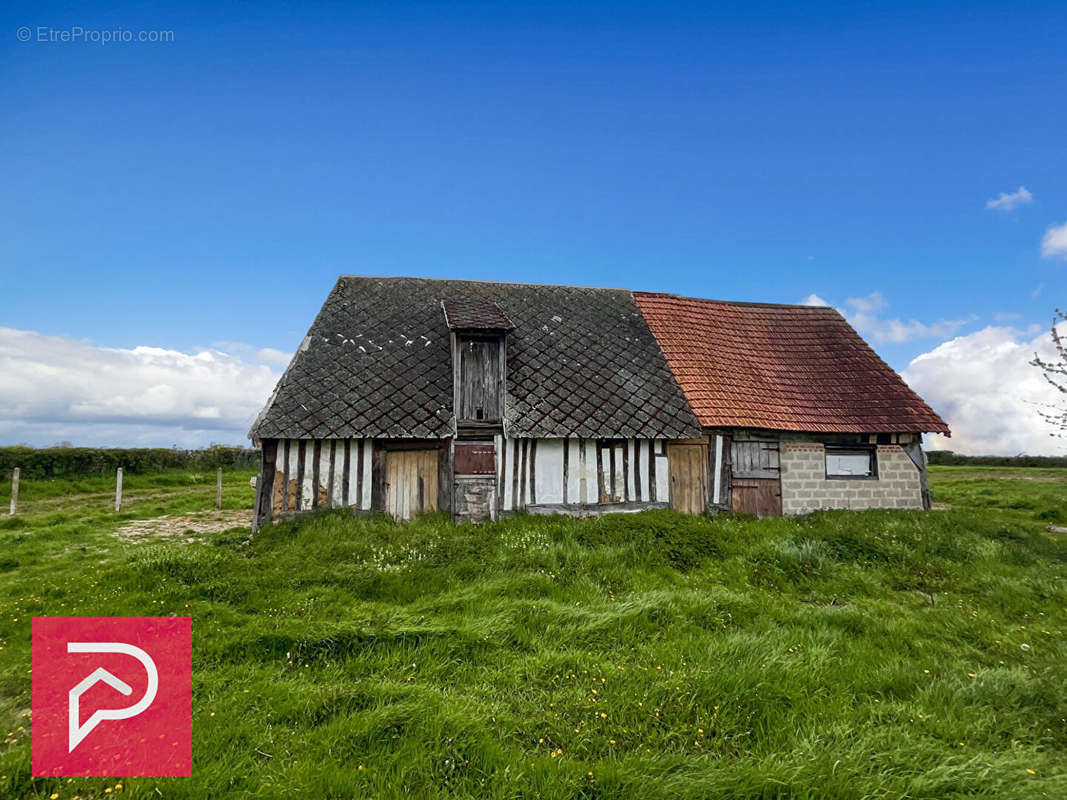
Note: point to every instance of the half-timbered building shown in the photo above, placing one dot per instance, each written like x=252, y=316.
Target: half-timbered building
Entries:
x=480, y=399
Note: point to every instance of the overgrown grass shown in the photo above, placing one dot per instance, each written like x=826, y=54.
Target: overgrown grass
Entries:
x=841, y=655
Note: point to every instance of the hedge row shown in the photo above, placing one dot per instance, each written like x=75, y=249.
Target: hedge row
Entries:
x=947, y=458
x=70, y=462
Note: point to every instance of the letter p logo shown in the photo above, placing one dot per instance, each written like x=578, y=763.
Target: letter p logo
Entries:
x=85, y=669
x=78, y=732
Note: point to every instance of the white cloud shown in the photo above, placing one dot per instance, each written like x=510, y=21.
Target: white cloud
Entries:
x=985, y=389
x=863, y=313
x=1054, y=242
x=865, y=317
x=871, y=304
x=259, y=355
x=1008, y=202
x=56, y=388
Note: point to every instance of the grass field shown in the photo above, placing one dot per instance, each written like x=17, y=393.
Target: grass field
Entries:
x=841, y=655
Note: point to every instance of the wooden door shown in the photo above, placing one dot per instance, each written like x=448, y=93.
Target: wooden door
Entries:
x=410, y=482
x=480, y=382
x=759, y=496
x=688, y=467
x=755, y=486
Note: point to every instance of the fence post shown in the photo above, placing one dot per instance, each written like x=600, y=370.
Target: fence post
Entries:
x=118, y=490
x=218, y=491
x=14, y=490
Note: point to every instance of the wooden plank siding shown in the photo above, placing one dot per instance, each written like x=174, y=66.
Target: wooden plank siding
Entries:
x=688, y=477
x=478, y=367
x=411, y=481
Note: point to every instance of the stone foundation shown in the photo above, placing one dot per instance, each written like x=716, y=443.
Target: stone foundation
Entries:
x=474, y=499
x=806, y=488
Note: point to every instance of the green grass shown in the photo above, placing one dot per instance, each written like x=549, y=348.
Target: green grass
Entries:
x=841, y=655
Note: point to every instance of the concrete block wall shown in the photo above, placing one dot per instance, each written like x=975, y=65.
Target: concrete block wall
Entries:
x=806, y=488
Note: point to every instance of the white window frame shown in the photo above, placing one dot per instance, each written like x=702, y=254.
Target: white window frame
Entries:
x=870, y=453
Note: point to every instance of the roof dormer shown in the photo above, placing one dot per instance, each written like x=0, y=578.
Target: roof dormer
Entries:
x=479, y=331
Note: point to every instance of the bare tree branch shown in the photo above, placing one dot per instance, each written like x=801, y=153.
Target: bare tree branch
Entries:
x=1055, y=372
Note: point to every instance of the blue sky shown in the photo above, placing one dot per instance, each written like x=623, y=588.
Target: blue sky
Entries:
x=210, y=189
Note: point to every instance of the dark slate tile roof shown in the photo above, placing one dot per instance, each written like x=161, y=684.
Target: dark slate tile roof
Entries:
x=474, y=314
x=377, y=363
x=790, y=368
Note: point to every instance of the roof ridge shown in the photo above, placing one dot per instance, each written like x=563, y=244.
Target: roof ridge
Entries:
x=748, y=303
x=491, y=283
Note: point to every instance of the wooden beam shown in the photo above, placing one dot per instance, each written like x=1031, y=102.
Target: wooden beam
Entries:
x=532, y=469
x=377, y=496
x=601, y=494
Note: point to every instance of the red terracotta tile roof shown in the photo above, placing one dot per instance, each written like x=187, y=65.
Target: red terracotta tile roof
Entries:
x=792, y=368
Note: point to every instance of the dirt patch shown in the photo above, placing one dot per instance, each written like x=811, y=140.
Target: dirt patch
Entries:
x=184, y=527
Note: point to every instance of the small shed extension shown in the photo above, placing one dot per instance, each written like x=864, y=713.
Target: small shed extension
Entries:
x=799, y=411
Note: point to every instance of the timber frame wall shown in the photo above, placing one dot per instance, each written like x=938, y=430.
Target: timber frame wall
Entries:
x=577, y=476
x=581, y=476
x=299, y=475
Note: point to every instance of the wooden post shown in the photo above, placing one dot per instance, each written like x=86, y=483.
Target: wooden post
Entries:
x=218, y=490
x=14, y=490
x=118, y=490
x=257, y=503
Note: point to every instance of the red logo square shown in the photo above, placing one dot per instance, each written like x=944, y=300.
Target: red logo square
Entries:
x=112, y=696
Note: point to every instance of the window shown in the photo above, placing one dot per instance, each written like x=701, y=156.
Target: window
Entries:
x=754, y=458
x=852, y=462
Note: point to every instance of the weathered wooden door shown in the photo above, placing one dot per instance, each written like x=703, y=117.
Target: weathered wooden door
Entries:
x=688, y=466
x=410, y=482
x=759, y=496
x=755, y=486
x=480, y=388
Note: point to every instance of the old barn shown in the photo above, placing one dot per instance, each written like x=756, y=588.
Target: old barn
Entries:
x=481, y=399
